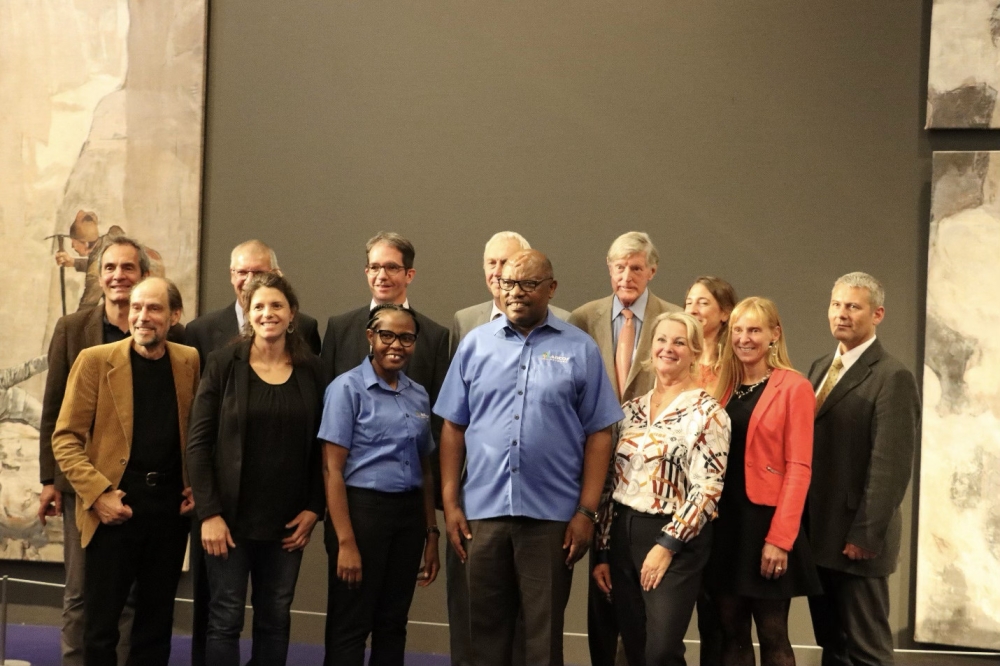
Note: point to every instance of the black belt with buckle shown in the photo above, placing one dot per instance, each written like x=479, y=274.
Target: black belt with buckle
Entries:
x=153, y=479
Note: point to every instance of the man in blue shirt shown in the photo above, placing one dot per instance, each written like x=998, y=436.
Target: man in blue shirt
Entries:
x=528, y=406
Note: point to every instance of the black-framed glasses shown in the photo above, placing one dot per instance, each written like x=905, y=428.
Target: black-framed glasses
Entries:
x=527, y=286
x=390, y=269
x=388, y=337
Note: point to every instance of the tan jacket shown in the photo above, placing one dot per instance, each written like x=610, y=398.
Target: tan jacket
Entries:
x=594, y=318
x=92, y=441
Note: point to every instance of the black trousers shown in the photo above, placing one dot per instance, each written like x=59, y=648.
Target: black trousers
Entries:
x=653, y=623
x=148, y=549
x=390, y=531
x=602, y=623
x=851, y=619
x=200, y=592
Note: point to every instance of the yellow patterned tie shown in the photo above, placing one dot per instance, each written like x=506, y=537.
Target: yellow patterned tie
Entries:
x=831, y=381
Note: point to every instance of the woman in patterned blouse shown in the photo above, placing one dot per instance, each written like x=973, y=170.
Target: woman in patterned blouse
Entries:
x=654, y=526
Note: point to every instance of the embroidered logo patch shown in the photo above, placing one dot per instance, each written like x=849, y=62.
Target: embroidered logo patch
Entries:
x=421, y=415
x=552, y=356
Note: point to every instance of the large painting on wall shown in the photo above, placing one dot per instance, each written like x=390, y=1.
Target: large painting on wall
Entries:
x=100, y=134
x=964, y=69
x=958, y=558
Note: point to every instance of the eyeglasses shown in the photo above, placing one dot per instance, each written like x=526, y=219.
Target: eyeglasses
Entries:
x=248, y=273
x=390, y=269
x=388, y=337
x=527, y=286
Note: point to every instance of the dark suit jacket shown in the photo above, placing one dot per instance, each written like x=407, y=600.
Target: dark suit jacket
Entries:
x=345, y=346
x=865, y=435
x=214, y=330
x=93, y=437
x=594, y=319
x=218, y=427
x=73, y=333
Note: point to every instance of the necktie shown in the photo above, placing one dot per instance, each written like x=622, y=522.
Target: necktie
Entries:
x=623, y=353
x=831, y=381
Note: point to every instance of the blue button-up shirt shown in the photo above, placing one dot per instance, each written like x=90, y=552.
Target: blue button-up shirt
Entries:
x=385, y=430
x=529, y=404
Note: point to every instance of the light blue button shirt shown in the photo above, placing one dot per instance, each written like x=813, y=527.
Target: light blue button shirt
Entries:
x=385, y=430
x=618, y=320
x=529, y=404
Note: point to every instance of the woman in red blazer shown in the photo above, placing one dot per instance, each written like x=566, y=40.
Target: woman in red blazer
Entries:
x=759, y=560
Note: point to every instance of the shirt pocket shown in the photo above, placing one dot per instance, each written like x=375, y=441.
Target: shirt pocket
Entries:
x=552, y=381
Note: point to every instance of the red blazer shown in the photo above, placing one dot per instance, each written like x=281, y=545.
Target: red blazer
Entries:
x=778, y=462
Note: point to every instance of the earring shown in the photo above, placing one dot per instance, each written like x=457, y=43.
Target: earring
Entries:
x=291, y=328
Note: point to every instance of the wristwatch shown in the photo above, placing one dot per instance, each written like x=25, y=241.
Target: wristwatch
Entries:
x=592, y=515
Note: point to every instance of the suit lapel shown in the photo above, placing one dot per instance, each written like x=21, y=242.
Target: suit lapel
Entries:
x=226, y=328
x=858, y=373
x=94, y=330
x=603, y=332
x=183, y=383
x=766, y=398
x=653, y=310
x=241, y=385
x=819, y=371
x=120, y=384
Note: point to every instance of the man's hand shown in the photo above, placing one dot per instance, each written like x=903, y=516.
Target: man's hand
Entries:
x=187, y=503
x=457, y=528
x=579, y=532
x=602, y=576
x=349, y=563
x=215, y=537
x=63, y=259
x=109, y=508
x=49, y=502
x=857, y=552
x=303, y=524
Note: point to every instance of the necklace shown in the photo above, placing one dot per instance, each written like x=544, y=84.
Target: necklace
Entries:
x=744, y=391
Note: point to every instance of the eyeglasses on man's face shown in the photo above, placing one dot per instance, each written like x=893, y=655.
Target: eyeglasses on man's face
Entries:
x=527, y=286
x=390, y=269
x=388, y=337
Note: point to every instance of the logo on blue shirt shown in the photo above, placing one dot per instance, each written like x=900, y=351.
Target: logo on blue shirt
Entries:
x=552, y=356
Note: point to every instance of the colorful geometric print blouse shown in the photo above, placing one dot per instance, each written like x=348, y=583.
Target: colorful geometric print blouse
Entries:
x=674, y=465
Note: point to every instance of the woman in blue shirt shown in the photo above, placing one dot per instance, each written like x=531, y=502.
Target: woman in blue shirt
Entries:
x=380, y=496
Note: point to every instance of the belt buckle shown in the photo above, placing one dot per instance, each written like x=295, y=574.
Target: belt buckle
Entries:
x=152, y=478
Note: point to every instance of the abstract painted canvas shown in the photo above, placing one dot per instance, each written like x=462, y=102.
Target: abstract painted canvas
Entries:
x=958, y=549
x=101, y=133
x=964, y=69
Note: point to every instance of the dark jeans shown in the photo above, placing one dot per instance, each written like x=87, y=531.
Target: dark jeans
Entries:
x=148, y=549
x=390, y=531
x=273, y=572
x=653, y=623
x=201, y=594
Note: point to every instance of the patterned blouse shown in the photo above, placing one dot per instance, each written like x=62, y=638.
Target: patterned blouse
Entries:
x=674, y=465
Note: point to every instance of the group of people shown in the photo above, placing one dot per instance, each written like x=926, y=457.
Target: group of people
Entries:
x=676, y=445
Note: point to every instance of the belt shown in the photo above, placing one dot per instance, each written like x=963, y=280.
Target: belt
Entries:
x=153, y=479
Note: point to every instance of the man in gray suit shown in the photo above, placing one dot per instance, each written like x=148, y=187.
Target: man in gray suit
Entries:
x=867, y=413
x=499, y=248
x=618, y=323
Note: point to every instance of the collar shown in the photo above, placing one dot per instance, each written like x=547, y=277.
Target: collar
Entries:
x=502, y=325
x=372, y=379
x=495, y=311
x=406, y=304
x=638, y=308
x=851, y=357
x=240, y=321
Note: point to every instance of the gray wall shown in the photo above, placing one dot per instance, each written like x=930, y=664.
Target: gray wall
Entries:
x=778, y=144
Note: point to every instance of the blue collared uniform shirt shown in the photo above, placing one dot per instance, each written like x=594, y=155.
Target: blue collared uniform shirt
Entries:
x=385, y=430
x=529, y=404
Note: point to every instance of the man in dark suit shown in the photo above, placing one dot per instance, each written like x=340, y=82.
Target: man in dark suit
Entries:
x=867, y=413
x=123, y=263
x=215, y=329
x=211, y=331
x=621, y=324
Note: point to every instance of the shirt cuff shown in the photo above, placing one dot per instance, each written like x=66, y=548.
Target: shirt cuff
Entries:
x=602, y=556
x=670, y=543
x=48, y=482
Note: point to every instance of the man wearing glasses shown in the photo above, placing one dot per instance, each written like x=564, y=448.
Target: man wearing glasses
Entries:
x=207, y=333
x=528, y=407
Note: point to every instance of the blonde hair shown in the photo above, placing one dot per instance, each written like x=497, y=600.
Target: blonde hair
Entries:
x=693, y=332
x=764, y=311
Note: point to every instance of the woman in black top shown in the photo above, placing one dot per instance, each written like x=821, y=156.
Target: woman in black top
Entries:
x=256, y=472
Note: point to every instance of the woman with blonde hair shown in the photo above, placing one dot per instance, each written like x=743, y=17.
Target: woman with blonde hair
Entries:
x=710, y=300
x=760, y=559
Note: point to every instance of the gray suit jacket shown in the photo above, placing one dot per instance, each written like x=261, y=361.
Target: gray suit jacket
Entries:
x=477, y=315
x=863, y=445
x=594, y=318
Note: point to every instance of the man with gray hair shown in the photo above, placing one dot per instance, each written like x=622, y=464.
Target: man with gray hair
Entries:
x=867, y=413
x=616, y=324
x=498, y=249
x=122, y=263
